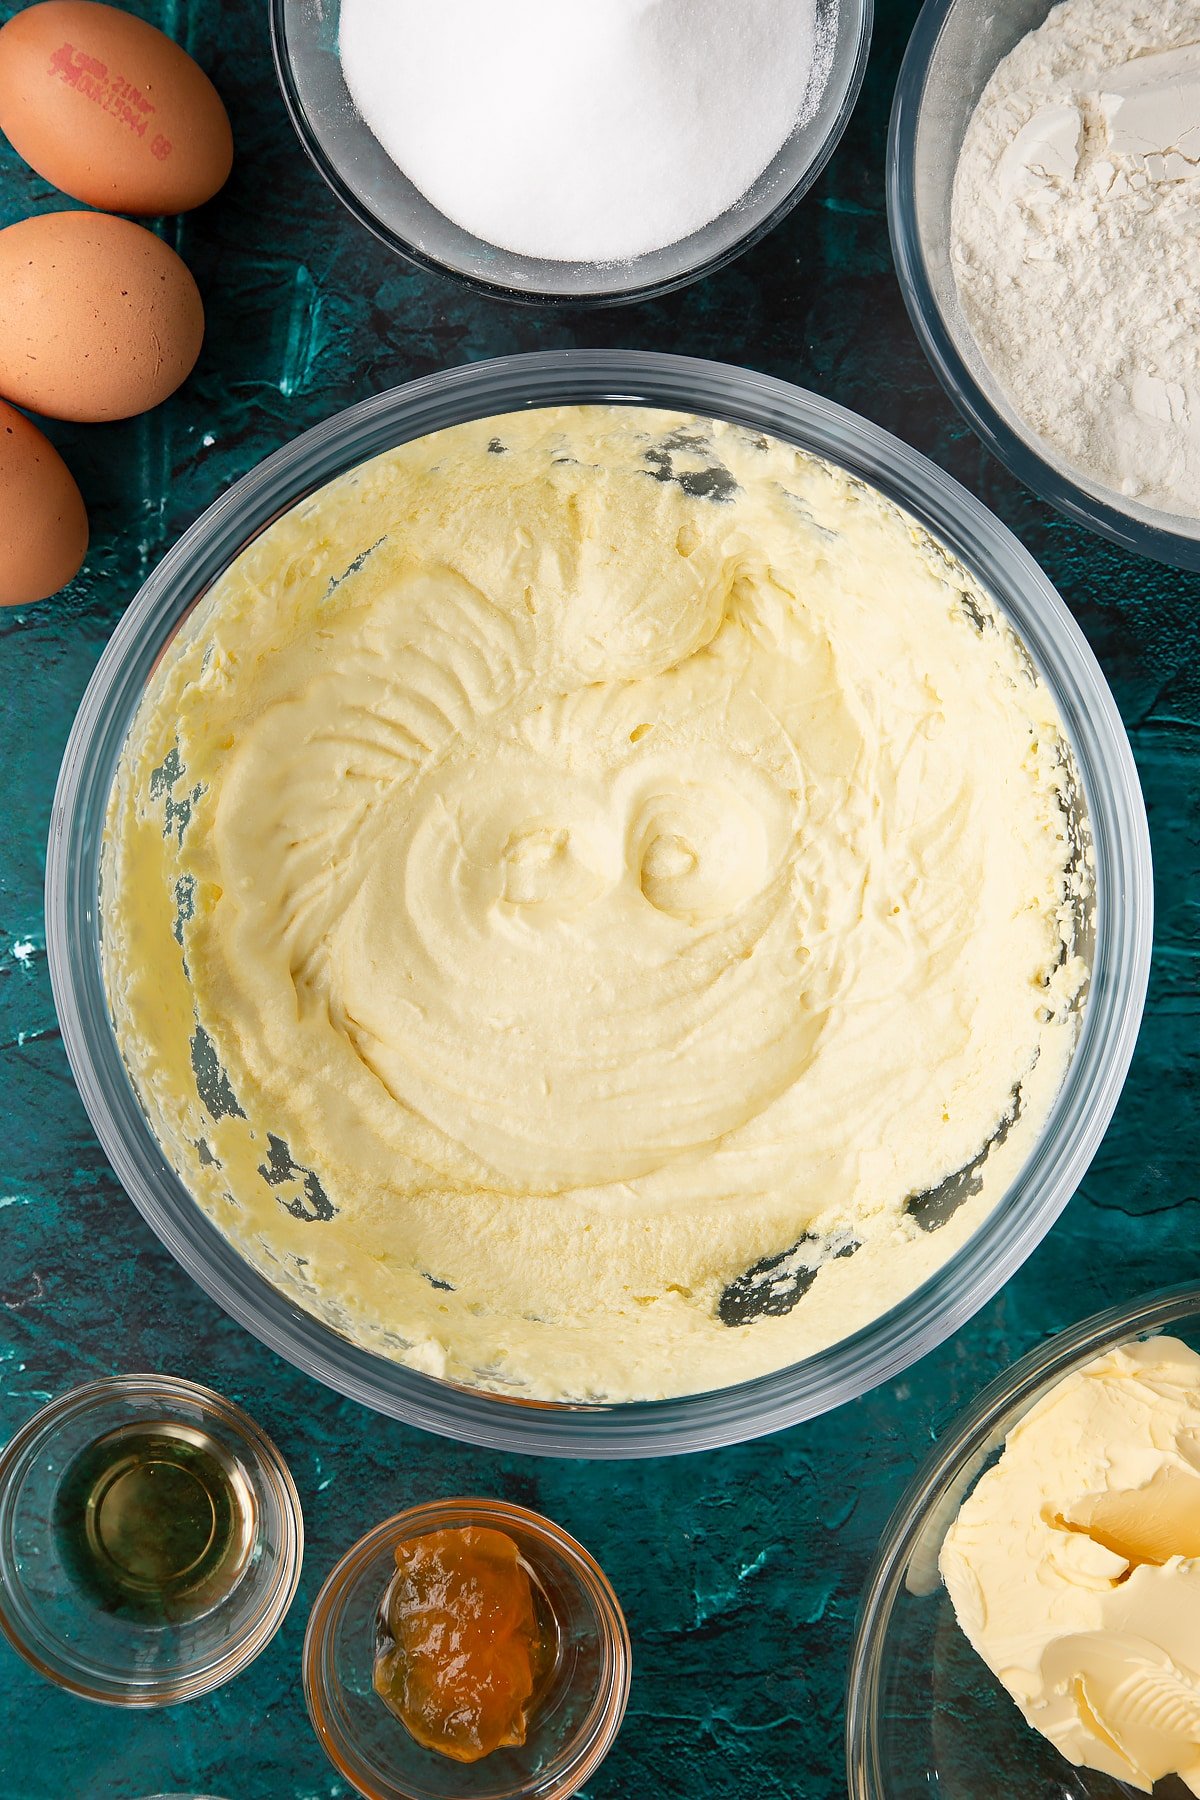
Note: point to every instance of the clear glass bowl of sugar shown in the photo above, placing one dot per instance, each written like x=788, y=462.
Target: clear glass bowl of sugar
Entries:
x=380, y=195
x=952, y=55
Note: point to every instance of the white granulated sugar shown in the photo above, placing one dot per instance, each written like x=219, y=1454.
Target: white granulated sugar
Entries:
x=583, y=130
x=1076, y=241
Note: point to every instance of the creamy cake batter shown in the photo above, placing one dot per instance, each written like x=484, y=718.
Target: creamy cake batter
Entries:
x=592, y=902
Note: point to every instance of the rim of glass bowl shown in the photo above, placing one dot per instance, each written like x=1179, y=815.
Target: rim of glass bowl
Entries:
x=967, y=1438
x=79, y=1675
x=851, y=73
x=1018, y=453
x=604, y=1718
x=1077, y=1119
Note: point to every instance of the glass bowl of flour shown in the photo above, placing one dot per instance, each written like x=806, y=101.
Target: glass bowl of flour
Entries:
x=1044, y=196
x=647, y=1153
x=587, y=154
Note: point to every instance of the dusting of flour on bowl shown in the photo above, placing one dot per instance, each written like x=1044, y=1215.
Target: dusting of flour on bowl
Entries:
x=580, y=132
x=1075, y=241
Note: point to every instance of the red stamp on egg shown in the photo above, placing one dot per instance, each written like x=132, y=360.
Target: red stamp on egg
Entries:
x=88, y=76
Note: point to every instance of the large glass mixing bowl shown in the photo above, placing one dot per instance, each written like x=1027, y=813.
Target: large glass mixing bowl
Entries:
x=1120, y=957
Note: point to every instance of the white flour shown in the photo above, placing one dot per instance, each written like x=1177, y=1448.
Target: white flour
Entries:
x=589, y=130
x=1075, y=241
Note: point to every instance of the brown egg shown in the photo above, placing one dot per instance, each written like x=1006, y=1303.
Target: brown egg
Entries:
x=110, y=110
x=43, y=527
x=99, y=319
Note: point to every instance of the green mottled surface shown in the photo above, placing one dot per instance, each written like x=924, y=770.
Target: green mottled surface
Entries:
x=739, y=1570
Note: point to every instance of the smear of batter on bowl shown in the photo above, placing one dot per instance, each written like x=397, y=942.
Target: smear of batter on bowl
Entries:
x=636, y=903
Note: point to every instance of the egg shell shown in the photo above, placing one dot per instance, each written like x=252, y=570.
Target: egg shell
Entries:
x=43, y=525
x=99, y=319
x=110, y=110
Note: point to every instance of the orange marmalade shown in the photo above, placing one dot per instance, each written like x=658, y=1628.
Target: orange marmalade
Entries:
x=462, y=1649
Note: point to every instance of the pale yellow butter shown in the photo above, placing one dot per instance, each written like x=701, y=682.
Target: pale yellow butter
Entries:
x=594, y=851
x=1074, y=1566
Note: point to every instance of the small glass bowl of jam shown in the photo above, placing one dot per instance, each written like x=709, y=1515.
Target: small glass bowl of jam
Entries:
x=495, y=1599
x=150, y=1540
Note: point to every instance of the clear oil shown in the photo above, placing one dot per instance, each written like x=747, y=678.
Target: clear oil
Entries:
x=156, y=1522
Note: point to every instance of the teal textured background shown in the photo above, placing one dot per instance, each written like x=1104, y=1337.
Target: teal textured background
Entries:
x=739, y=1570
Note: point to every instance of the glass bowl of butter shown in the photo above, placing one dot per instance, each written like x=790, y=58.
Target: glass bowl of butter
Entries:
x=615, y=1248
x=1031, y=1623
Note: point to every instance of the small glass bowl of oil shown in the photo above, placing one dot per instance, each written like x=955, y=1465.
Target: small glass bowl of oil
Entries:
x=150, y=1540
x=578, y=1704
